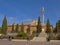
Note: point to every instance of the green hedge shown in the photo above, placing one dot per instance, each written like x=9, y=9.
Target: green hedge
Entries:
x=22, y=34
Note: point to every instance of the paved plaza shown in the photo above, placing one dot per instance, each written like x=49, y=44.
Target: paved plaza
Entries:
x=25, y=42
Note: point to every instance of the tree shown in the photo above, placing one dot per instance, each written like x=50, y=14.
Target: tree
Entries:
x=34, y=32
x=28, y=29
x=48, y=27
x=13, y=28
x=28, y=32
x=58, y=27
x=22, y=28
x=55, y=29
x=0, y=30
x=17, y=28
x=39, y=27
x=4, y=25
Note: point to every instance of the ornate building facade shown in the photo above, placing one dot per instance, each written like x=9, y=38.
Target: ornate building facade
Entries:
x=33, y=27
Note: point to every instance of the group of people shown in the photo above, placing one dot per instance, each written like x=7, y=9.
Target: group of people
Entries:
x=10, y=38
x=48, y=39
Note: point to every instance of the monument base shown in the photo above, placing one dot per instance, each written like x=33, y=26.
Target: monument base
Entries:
x=42, y=37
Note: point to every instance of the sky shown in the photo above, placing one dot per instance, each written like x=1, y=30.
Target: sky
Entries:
x=18, y=11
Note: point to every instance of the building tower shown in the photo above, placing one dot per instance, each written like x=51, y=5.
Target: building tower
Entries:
x=42, y=15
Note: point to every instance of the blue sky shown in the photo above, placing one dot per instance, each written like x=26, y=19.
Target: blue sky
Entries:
x=17, y=11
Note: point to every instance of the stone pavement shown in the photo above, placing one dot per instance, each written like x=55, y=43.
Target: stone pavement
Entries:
x=25, y=42
x=36, y=40
x=30, y=40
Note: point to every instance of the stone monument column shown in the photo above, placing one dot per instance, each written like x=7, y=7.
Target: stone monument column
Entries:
x=42, y=18
x=42, y=36
x=42, y=15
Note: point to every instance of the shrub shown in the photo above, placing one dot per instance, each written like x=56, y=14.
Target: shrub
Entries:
x=22, y=34
x=58, y=37
x=52, y=37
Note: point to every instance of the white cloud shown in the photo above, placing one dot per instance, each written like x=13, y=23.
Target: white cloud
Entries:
x=11, y=18
x=26, y=20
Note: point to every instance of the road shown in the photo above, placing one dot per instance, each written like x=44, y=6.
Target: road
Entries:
x=6, y=42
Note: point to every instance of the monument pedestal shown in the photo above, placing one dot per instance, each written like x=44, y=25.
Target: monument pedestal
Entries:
x=42, y=37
